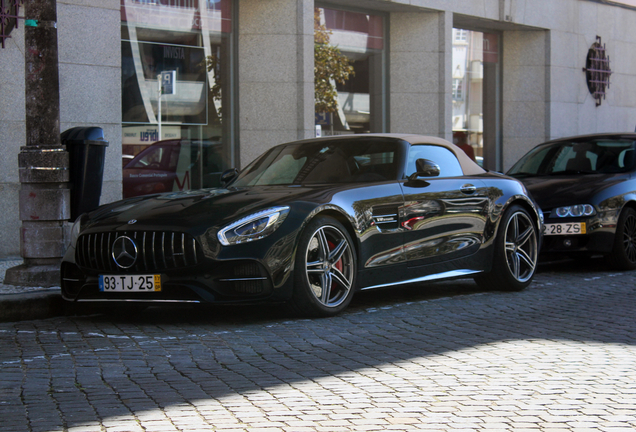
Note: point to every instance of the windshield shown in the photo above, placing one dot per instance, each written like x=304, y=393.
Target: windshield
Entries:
x=577, y=157
x=323, y=162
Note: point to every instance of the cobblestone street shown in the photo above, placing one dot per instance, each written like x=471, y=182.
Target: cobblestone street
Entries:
x=559, y=356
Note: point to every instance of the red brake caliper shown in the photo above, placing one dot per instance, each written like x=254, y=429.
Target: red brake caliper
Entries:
x=338, y=264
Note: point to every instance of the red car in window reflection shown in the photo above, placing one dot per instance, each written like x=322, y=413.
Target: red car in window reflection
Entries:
x=173, y=165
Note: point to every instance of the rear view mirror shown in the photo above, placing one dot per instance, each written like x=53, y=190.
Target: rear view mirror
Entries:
x=228, y=176
x=425, y=168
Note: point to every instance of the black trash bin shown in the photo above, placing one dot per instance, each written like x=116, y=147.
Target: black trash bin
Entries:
x=87, y=150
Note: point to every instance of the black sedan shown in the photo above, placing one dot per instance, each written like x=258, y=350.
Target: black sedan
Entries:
x=586, y=187
x=308, y=224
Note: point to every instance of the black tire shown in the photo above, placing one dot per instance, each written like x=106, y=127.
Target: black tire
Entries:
x=325, y=269
x=515, y=254
x=623, y=255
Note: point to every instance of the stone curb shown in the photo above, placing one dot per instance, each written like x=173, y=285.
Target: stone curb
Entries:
x=32, y=305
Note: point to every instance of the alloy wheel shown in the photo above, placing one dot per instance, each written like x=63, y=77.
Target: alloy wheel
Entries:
x=521, y=247
x=329, y=267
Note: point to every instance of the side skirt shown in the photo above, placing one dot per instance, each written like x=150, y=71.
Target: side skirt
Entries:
x=454, y=274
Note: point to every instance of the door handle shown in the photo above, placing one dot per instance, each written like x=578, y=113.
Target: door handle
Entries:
x=468, y=188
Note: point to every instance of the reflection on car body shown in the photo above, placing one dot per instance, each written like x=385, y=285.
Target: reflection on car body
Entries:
x=309, y=223
x=586, y=187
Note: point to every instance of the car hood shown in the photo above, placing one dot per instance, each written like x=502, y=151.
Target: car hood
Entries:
x=555, y=191
x=194, y=211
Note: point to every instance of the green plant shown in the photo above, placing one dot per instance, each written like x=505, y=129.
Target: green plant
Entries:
x=330, y=67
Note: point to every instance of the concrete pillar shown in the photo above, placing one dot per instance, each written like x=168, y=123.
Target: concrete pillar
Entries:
x=43, y=162
x=526, y=90
x=275, y=73
x=420, y=77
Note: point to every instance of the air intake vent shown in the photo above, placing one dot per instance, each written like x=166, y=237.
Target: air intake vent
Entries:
x=149, y=250
x=386, y=217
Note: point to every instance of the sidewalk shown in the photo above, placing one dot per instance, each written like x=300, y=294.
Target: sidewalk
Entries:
x=27, y=303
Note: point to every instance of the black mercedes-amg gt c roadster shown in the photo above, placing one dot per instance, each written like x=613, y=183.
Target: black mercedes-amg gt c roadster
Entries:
x=308, y=224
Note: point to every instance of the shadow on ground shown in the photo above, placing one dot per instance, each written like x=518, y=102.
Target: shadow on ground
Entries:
x=163, y=358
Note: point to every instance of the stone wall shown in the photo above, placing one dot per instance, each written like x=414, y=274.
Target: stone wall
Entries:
x=541, y=85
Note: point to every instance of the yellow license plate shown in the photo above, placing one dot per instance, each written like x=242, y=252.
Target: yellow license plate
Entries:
x=574, y=228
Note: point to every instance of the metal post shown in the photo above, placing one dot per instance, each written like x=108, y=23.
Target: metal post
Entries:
x=43, y=162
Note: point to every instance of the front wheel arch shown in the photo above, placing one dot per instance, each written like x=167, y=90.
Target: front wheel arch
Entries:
x=344, y=220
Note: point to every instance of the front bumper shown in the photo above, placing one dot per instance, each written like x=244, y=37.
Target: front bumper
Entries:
x=598, y=239
x=190, y=272
x=236, y=281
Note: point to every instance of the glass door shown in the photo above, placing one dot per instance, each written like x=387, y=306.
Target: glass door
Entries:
x=475, y=90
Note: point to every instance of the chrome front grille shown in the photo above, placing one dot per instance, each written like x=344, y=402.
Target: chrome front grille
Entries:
x=155, y=251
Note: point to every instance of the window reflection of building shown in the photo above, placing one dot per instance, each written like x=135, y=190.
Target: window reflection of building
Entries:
x=193, y=39
x=458, y=85
x=461, y=35
x=360, y=37
x=475, y=65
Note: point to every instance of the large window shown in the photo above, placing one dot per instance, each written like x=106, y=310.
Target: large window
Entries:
x=360, y=98
x=188, y=44
x=475, y=95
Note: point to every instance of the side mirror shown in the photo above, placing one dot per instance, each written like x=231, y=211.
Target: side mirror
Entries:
x=425, y=168
x=228, y=176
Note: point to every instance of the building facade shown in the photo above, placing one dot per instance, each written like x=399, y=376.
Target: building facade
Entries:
x=228, y=79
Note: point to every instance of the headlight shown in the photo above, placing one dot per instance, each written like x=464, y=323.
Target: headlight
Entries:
x=76, y=229
x=253, y=227
x=575, y=210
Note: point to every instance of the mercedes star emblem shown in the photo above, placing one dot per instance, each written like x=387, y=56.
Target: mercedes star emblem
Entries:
x=124, y=252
